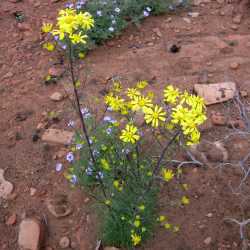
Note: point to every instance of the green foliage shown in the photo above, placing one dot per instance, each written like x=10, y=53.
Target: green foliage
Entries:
x=111, y=17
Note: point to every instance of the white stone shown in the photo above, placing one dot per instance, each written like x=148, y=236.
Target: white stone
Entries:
x=58, y=136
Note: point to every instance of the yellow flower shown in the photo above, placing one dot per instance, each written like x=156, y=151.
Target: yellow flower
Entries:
x=136, y=239
x=47, y=27
x=161, y=218
x=167, y=225
x=78, y=38
x=49, y=46
x=118, y=185
x=132, y=92
x=85, y=20
x=185, y=186
x=141, y=207
x=185, y=200
x=154, y=115
x=141, y=84
x=167, y=174
x=104, y=164
x=108, y=202
x=117, y=87
x=129, y=134
x=81, y=55
x=171, y=94
x=140, y=102
x=137, y=223
x=116, y=103
x=176, y=229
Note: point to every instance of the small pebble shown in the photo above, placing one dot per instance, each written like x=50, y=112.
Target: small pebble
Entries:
x=64, y=242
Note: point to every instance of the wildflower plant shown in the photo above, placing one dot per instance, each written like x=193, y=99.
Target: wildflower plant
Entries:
x=113, y=158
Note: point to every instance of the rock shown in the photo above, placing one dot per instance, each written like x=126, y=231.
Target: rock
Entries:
x=30, y=235
x=187, y=20
x=11, y=220
x=243, y=93
x=207, y=152
x=64, y=242
x=8, y=75
x=208, y=241
x=194, y=14
x=234, y=27
x=58, y=136
x=234, y=65
x=56, y=71
x=237, y=19
x=209, y=215
x=216, y=92
x=56, y=97
x=33, y=191
x=6, y=187
x=23, y=115
x=59, y=206
x=157, y=32
x=219, y=119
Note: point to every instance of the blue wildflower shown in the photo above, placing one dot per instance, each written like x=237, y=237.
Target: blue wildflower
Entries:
x=70, y=157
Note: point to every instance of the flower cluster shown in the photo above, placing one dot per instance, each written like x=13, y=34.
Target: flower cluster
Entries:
x=71, y=26
x=187, y=111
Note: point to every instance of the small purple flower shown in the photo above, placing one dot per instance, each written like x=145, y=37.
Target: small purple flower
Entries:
x=70, y=157
x=71, y=124
x=89, y=171
x=90, y=141
x=111, y=29
x=113, y=22
x=73, y=179
x=99, y=13
x=126, y=151
x=56, y=37
x=95, y=152
x=99, y=175
x=78, y=6
x=86, y=113
x=79, y=146
x=107, y=119
x=69, y=5
x=148, y=9
x=109, y=109
x=59, y=167
x=109, y=131
x=145, y=13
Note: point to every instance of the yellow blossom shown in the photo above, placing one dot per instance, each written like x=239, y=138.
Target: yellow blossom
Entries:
x=78, y=38
x=136, y=239
x=130, y=134
x=137, y=223
x=47, y=27
x=167, y=225
x=167, y=174
x=81, y=55
x=118, y=185
x=104, y=164
x=154, y=115
x=49, y=46
x=132, y=92
x=108, y=202
x=141, y=207
x=141, y=84
x=171, y=94
x=141, y=102
x=185, y=200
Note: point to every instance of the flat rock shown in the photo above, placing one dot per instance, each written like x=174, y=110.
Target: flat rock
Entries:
x=216, y=92
x=6, y=187
x=56, y=97
x=30, y=234
x=208, y=241
x=64, y=242
x=11, y=220
x=58, y=136
x=59, y=206
x=237, y=19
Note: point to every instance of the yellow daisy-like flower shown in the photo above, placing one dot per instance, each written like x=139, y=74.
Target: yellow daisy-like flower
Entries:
x=167, y=226
x=117, y=87
x=136, y=239
x=78, y=38
x=133, y=92
x=47, y=27
x=118, y=185
x=171, y=94
x=167, y=174
x=108, y=202
x=161, y=218
x=130, y=134
x=141, y=102
x=185, y=200
x=85, y=20
x=141, y=84
x=154, y=115
x=49, y=46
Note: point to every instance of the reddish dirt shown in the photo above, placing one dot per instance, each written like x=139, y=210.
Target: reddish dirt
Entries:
x=208, y=46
